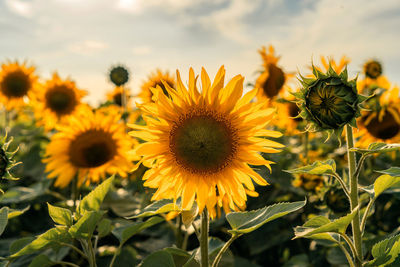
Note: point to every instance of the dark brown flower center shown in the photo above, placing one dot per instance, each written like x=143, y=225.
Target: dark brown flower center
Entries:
x=92, y=148
x=373, y=69
x=118, y=99
x=274, y=82
x=61, y=100
x=385, y=129
x=15, y=84
x=119, y=76
x=203, y=142
x=294, y=111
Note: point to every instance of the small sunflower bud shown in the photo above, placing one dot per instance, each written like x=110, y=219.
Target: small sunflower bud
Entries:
x=329, y=101
x=6, y=159
x=3, y=163
x=373, y=69
x=119, y=75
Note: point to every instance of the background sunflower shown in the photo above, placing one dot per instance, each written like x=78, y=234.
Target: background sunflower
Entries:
x=155, y=79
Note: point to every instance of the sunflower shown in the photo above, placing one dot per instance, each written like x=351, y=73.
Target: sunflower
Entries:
x=119, y=75
x=272, y=79
x=88, y=146
x=115, y=96
x=155, y=79
x=373, y=78
x=328, y=61
x=287, y=116
x=383, y=123
x=17, y=81
x=57, y=100
x=199, y=144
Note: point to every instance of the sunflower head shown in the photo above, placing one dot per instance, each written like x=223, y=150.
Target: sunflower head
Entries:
x=309, y=182
x=199, y=144
x=115, y=96
x=373, y=69
x=272, y=79
x=17, y=81
x=119, y=75
x=157, y=78
x=329, y=101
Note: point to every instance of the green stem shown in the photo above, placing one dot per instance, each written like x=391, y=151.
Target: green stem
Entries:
x=115, y=255
x=365, y=216
x=80, y=252
x=74, y=192
x=305, y=143
x=223, y=249
x=346, y=253
x=66, y=263
x=343, y=184
x=92, y=261
x=355, y=224
x=204, y=238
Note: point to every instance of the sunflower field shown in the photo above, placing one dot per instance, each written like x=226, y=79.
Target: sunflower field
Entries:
x=289, y=169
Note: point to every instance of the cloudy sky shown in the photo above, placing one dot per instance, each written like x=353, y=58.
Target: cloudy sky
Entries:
x=82, y=39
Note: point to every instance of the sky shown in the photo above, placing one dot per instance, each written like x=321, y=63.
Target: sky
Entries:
x=83, y=39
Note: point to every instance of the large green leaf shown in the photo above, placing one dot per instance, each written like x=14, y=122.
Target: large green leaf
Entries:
x=385, y=252
x=85, y=226
x=60, y=215
x=12, y=213
x=104, y=227
x=377, y=148
x=385, y=182
x=316, y=222
x=50, y=237
x=392, y=171
x=3, y=219
x=93, y=200
x=158, y=207
x=125, y=232
x=317, y=168
x=248, y=221
x=158, y=259
x=41, y=261
x=337, y=226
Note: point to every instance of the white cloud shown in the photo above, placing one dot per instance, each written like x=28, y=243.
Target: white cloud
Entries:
x=19, y=7
x=88, y=47
x=141, y=50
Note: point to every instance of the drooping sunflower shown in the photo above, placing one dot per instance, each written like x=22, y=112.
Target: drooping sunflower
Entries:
x=115, y=96
x=373, y=78
x=57, y=100
x=17, y=81
x=270, y=83
x=199, y=144
x=155, y=79
x=88, y=146
x=381, y=124
x=119, y=75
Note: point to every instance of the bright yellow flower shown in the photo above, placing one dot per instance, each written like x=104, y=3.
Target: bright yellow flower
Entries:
x=115, y=96
x=56, y=101
x=17, y=81
x=155, y=79
x=286, y=116
x=199, y=144
x=90, y=145
x=272, y=79
x=383, y=124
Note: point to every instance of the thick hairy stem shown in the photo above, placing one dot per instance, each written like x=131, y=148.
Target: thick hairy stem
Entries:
x=355, y=224
x=204, y=238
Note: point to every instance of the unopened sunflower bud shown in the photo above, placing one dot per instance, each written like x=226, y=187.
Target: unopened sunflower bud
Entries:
x=373, y=69
x=119, y=75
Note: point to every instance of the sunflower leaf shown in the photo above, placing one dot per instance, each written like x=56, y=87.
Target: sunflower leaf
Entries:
x=49, y=238
x=377, y=148
x=41, y=261
x=93, y=200
x=158, y=258
x=158, y=207
x=248, y=221
x=385, y=252
x=60, y=215
x=316, y=222
x=85, y=226
x=3, y=219
x=392, y=171
x=385, y=182
x=337, y=226
x=317, y=168
x=12, y=213
x=125, y=232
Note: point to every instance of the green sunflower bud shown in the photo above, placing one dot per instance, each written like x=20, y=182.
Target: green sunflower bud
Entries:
x=329, y=101
x=119, y=75
x=373, y=69
x=6, y=159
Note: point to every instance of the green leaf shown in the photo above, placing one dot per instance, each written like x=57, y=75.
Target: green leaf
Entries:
x=104, y=227
x=93, y=200
x=188, y=216
x=248, y=221
x=41, y=261
x=20, y=243
x=85, y=226
x=377, y=148
x=125, y=232
x=12, y=213
x=182, y=258
x=337, y=226
x=317, y=168
x=3, y=219
x=158, y=259
x=385, y=252
x=385, y=182
x=158, y=207
x=60, y=215
x=392, y=171
x=316, y=222
x=52, y=236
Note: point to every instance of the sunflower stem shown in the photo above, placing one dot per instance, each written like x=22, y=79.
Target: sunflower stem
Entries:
x=305, y=143
x=223, y=249
x=356, y=229
x=74, y=192
x=204, y=238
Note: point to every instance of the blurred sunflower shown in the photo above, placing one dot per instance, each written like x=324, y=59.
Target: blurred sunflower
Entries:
x=56, y=101
x=382, y=124
x=115, y=96
x=17, y=81
x=272, y=79
x=199, y=144
x=119, y=75
x=287, y=116
x=155, y=79
x=373, y=78
x=88, y=146
x=337, y=67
